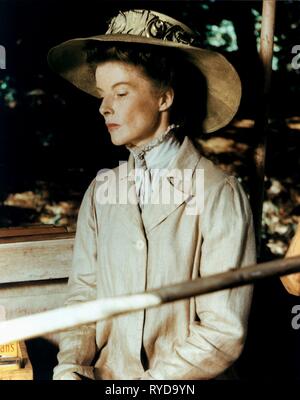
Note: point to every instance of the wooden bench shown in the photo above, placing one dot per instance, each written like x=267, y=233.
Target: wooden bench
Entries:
x=34, y=268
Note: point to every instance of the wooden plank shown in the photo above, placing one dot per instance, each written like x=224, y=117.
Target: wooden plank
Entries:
x=27, y=305
x=35, y=238
x=35, y=288
x=35, y=260
x=30, y=298
x=31, y=230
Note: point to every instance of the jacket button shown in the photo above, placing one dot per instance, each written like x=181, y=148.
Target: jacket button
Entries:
x=140, y=244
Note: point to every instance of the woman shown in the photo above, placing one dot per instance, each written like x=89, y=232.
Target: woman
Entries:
x=151, y=229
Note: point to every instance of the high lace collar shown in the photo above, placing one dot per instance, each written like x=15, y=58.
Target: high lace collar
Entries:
x=157, y=153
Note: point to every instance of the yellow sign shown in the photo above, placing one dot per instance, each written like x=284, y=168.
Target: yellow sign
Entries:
x=9, y=350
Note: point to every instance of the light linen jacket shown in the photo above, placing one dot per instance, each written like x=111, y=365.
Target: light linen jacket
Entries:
x=118, y=251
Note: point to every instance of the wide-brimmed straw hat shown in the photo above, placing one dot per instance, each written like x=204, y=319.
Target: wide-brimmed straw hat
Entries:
x=69, y=59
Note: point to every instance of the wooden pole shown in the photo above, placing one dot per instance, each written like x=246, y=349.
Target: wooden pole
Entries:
x=261, y=123
x=68, y=317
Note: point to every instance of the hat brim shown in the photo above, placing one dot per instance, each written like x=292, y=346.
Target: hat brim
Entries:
x=224, y=86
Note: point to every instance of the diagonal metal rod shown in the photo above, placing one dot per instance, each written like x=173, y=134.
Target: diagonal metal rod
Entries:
x=69, y=317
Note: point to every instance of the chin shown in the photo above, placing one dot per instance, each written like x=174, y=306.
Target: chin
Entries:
x=118, y=141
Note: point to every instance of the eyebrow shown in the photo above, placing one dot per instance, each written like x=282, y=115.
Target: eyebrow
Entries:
x=116, y=84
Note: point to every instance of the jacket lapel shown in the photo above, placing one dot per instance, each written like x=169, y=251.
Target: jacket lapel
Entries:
x=175, y=188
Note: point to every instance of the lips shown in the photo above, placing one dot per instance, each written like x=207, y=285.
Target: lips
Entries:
x=112, y=126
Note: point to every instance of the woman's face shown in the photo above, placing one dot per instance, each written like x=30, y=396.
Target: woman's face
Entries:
x=135, y=111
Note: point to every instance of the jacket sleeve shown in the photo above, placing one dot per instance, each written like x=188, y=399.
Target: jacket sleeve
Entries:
x=292, y=282
x=77, y=346
x=217, y=336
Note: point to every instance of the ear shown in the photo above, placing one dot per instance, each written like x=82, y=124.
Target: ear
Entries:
x=166, y=99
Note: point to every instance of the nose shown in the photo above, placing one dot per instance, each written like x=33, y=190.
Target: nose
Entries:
x=106, y=107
